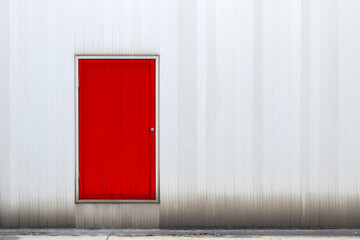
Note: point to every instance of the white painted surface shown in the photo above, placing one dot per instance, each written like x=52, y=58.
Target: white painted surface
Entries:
x=259, y=111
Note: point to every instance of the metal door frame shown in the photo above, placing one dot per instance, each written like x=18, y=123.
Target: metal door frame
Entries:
x=157, y=128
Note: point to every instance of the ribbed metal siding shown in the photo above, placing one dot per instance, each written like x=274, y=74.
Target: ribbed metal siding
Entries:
x=259, y=118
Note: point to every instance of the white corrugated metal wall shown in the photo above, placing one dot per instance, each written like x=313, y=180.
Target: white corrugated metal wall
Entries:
x=259, y=118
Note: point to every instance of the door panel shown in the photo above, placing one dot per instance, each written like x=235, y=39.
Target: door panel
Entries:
x=116, y=114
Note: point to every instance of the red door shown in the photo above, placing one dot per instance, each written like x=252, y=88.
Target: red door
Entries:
x=116, y=128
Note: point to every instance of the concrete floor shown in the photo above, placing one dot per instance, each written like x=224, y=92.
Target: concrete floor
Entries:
x=46, y=237
x=127, y=234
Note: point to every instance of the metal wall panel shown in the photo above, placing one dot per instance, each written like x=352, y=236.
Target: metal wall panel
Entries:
x=259, y=111
x=4, y=114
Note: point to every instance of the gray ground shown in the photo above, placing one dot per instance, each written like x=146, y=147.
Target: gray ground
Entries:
x=162, y=237
x=78, y=234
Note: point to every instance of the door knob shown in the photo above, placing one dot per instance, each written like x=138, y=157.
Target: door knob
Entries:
x=152, y=129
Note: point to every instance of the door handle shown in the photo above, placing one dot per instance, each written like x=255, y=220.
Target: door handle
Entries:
x=152, y=129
